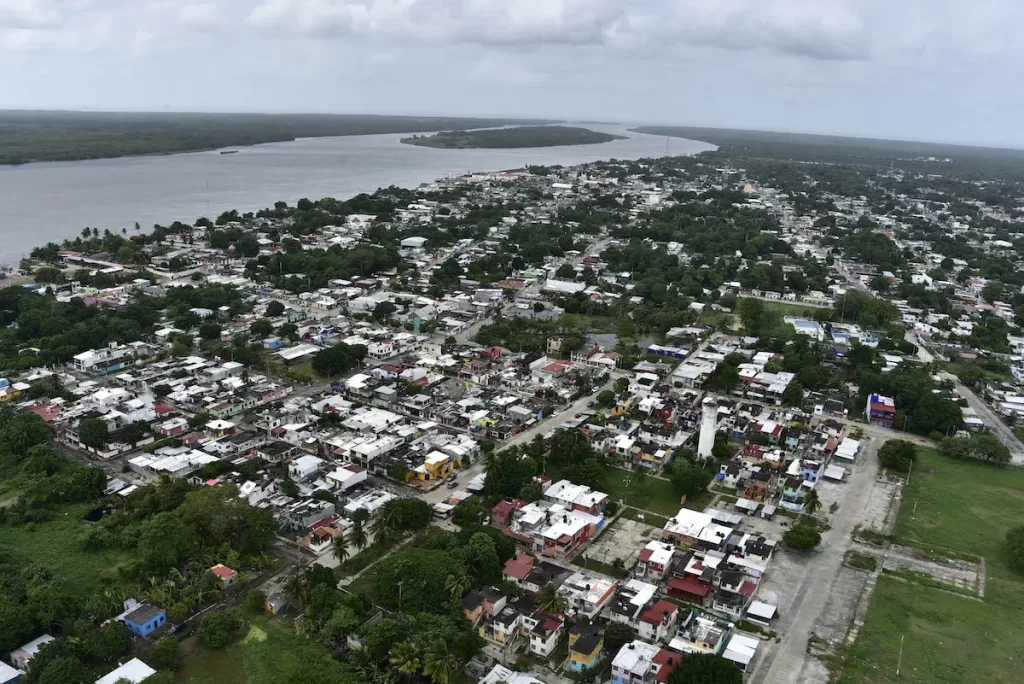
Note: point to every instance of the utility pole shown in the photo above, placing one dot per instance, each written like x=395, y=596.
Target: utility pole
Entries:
x=899, y=661
x=402, y=582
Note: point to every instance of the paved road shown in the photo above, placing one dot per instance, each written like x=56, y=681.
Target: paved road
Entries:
x=441, y=493
x=923, y=354
x=790, y=663
x=993, y=421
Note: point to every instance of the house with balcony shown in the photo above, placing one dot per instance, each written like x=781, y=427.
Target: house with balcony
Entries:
x=733, y=593
x=655, y=561
x=543, y=632
x=630, y=602
x=501, y=633
x=658, y=621
x=437, y=465
x=586, y=641
x=483, y=604
x=577, y=497
x=880, y=410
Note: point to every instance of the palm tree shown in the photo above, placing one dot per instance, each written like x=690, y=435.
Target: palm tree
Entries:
x=812, y=504
x=457, y=585
x=339, y=549
x=406, y=658
x=550, y=601
x=439, y=664
x=382, y=529
x=298, y=590
x=357, y=535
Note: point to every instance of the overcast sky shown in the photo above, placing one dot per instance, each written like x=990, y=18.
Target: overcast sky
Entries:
x=944, y=70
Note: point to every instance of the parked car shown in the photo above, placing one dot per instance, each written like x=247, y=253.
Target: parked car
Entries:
x=453, y=484
x=453, y=477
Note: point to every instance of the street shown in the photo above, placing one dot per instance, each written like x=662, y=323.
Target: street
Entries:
x=994, y=423
x=542, y=428
x=814, y=592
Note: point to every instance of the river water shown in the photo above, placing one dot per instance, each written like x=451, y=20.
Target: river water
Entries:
x=53, y=201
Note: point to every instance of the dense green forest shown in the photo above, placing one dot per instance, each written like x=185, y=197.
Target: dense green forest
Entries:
x=829, y=149
x=522, y=136
x=27, y=136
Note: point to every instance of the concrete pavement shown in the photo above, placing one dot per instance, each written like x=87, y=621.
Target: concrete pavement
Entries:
x=790, y=662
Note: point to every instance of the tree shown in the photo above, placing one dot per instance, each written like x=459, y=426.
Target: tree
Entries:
x=383, y=310
x=605, y=398
x=93, y=433
x=457, y=585
x=165, y=542
x=801, y=537
x=274, y=309
x=705, y=669
x=1015, y=549
x=812, y=504
x=133, y=432
x=217, y=629
x=992, y=290
x=793, y=395
x=210, y=330
x=621, y=384
x=549, y=600
x=357, y=535
x=398, y=470
x=983, y=446
x=617, y=635
x=64, y=670
x=261, y=328
x=338, y=359
x=440, y=664
x=689, y=480
x=531, y=492
x=339, y=550
x=165, y=649
x=405, y=658
x=898, y=455
x=566, y=272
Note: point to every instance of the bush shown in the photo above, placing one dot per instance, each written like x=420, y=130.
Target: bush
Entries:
x=801, y=537
x=254, y=601
x=898, y=455
x=218, y=629
x=1015, y=549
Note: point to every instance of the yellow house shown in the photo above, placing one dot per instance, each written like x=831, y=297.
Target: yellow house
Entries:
x=586, y=640
x=436, y=465
x=14, y=391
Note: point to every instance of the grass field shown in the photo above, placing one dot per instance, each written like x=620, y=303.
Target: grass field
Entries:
x=269, y=653
x=790, y=308
x=54, y=546
x=967, y=508
x=646, y=492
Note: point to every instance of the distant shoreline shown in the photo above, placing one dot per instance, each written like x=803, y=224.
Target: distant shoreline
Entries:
x=35, y=137
x=519, y=137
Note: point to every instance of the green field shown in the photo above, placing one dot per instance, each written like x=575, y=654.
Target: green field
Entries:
x=649, y=493
x=54, y=546
x=790, y=308
x=270, y=653
x=965, y=508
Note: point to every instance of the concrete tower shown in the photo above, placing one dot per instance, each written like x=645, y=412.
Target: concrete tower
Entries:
x=708, y=426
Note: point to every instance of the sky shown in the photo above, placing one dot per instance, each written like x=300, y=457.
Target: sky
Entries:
x=940, y=70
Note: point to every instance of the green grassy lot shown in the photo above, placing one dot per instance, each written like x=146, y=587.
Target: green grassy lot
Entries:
x=647, y=493
x=269, y=653
x=790, y=308
x=648, y=518
x=54, y=546
x=964, y=508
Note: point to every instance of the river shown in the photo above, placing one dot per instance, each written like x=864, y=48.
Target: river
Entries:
x=53, y=201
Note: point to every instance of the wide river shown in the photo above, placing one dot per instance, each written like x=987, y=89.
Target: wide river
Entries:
x=52, y=201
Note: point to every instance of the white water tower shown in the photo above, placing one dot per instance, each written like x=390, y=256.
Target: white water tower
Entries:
x=708, y=427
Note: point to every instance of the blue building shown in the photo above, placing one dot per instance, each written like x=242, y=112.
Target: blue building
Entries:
x=145, y=619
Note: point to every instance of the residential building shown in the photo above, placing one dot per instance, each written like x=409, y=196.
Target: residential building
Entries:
x=880, y=410
x=586, y=640
x=145, y=619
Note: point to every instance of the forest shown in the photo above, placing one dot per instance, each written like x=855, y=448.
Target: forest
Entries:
x=504, y=138
x=27, y=136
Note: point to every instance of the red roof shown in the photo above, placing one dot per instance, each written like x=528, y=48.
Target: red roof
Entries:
x=658, y=611
x=748, y=588
x=646, y=554
x=161, y=409
x=507, y=506
x=519, y=567
x=662, y=658
x=223, y=571
x=689, y=585
x=45, y=411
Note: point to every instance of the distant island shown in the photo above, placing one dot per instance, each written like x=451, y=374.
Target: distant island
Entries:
x=33, y=136
x=505, y=138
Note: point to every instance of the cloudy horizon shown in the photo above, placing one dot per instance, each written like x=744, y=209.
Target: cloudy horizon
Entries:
x=940, y=70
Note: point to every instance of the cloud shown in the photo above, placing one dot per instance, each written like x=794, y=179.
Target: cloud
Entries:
x=28, y=14
x=202, y=16
x=823, y=29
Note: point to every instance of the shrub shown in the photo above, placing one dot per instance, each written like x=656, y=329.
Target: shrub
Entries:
x=898, y=455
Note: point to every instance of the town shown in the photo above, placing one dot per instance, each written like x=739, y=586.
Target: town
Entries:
x=675, y=420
